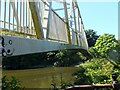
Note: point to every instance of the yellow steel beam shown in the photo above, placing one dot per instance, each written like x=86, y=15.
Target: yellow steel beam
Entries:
x=67, y=23
x=36, y=19
x=15, y=33
x=73, y=4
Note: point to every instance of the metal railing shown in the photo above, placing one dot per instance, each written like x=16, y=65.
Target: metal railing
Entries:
x=17, y=18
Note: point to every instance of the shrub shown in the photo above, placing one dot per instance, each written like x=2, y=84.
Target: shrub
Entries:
x=67, y=58
x=96, y=71
x=11, y=84
x=81, y=77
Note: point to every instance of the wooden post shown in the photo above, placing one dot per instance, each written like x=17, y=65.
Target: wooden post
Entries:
x=67, y=23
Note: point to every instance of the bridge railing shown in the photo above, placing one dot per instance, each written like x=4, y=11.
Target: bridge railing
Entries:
x=74, y=31
x=17, y=18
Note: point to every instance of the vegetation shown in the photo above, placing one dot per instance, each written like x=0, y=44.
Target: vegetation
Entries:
x=105, y=44
x=58, y=59
x=105, y=61
x=91, y=37
x=11, y=84
x=81, y=77
x=107, y=47
x=62, y=85
x=95, y=71
x=25, y=61
x=68, y=58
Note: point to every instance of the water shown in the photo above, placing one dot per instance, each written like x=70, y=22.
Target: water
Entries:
x=42, y=77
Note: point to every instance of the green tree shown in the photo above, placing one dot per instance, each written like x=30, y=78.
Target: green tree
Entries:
x=68, y=58
x=91, y=37
x=107, y=47
x=81, y=77
x=105, y=43
x=93, y=52
x=97, y=71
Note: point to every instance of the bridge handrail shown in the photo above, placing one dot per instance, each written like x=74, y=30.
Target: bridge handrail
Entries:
x=75, y=32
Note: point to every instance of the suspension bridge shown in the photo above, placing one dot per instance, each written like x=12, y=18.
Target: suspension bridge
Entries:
x=34, y=26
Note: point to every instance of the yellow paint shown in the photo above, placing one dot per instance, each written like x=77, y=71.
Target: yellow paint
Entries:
x=15, y=33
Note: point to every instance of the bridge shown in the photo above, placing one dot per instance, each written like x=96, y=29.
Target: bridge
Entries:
x=34, y=26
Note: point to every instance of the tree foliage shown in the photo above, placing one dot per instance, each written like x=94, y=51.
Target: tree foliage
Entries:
x=91, y=37
x=81, y=77
x=94, y=53
x=105, y=44
x=106, y=53
x=97, y=71
x=56, y=58
x=68, y=58
x=114, y=55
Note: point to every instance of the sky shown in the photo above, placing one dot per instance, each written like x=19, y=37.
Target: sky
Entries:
x=100, y=16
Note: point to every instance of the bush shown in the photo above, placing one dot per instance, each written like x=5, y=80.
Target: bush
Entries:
x=93, y=52
x=81, y=77
x=29, y=61
x=11, y=84
x=56, y=58
x=67, y=58
x=97, y=71
x=62, y=85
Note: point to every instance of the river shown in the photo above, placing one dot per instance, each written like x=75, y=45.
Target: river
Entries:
x=42, y=77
